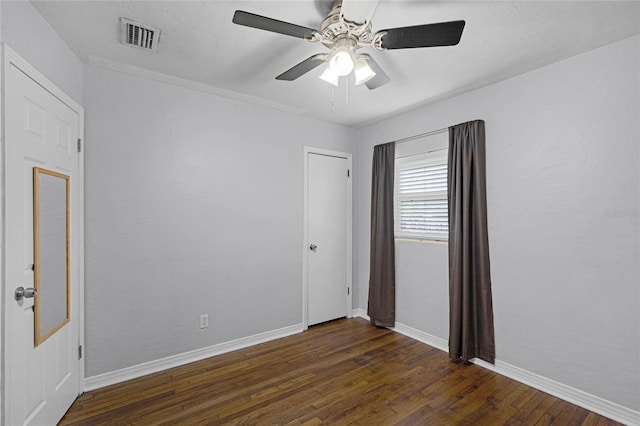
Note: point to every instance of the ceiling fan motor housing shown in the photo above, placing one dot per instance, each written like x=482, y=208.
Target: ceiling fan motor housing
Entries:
x=334, y=28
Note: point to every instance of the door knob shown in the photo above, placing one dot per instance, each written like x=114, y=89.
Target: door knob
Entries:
x=313, y=247
x=22, y=292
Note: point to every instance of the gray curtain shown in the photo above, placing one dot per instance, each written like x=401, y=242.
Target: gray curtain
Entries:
x=470, y=305
x=382, y=269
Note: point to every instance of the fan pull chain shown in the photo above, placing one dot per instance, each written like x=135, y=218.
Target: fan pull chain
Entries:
x=346, y=90
x=333, y=98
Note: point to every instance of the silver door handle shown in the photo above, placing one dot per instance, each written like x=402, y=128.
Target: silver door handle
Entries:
x=313, y=247
x=22, y=292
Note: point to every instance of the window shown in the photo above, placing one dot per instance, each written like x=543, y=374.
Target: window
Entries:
x=421, y=196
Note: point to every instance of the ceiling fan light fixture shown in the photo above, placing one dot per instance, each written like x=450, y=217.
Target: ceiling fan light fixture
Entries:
x=330, y=77
x=346, y=29
x=362, y=71
x=341, y=61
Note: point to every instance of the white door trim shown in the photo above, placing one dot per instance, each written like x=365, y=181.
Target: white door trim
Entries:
x=305, y=229
x=10, y=57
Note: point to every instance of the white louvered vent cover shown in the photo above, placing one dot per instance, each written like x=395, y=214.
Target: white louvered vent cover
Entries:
x=139, y=35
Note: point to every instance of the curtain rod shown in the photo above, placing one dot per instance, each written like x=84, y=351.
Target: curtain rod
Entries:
x=422, y=135
x=414, y=137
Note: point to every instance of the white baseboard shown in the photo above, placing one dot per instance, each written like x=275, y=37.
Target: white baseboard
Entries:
x=575, y=396
x=359, y=312
x=421, y=336
x=135, y=371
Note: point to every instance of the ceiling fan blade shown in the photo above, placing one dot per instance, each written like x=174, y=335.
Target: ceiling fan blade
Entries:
x=380, y=78
x=358, y=11
x=429, y=35
x=269, y=24
x=303, y=67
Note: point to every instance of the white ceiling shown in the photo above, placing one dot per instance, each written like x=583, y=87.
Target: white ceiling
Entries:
x=201, y=48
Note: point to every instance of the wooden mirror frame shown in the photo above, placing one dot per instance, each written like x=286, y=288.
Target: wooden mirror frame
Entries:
x=37, y=247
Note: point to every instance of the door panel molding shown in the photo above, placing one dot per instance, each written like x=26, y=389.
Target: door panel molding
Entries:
x=307, y=150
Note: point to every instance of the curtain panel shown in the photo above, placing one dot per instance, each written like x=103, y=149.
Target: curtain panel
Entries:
x=471, y=331
x=382, y=267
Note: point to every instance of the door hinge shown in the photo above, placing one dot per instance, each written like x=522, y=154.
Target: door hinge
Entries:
x=79, y=351
x=348, y=173
x=79, y=145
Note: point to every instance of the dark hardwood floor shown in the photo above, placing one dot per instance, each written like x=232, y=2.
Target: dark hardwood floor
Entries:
x=341, y=372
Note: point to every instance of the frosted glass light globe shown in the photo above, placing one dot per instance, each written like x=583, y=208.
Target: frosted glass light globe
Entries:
x=330, y=77
x=363, y=71
x=341, y=61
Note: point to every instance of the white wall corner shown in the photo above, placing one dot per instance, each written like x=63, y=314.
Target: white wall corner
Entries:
x=135, y=371
x=359, y=312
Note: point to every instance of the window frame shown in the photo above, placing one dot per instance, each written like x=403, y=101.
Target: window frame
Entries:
x=429, y=158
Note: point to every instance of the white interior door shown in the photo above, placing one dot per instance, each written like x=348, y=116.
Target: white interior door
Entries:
x=42, y=131
x=328, y=237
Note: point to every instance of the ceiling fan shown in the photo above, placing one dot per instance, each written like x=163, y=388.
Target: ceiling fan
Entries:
x=346, y=29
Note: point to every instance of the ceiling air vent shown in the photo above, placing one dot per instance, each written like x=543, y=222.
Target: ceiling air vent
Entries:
x=139, y=35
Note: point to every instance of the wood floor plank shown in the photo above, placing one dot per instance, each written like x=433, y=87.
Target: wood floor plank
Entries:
x=341, y=372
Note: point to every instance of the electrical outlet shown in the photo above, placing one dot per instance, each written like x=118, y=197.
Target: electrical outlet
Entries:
x=204, y=321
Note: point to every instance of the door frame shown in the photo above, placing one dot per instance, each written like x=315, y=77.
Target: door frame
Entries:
x=307, y=150
x=9, y=58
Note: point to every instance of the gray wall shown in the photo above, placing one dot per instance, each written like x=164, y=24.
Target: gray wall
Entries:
x=162, y=193
x=563, y=199
x=193, y=206
x=2, y=285
x=26, y=32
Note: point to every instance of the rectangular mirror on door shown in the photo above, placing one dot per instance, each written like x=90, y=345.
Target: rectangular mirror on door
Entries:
x=51, y=252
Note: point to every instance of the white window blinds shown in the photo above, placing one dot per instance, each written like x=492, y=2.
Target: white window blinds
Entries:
x=421, y=196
